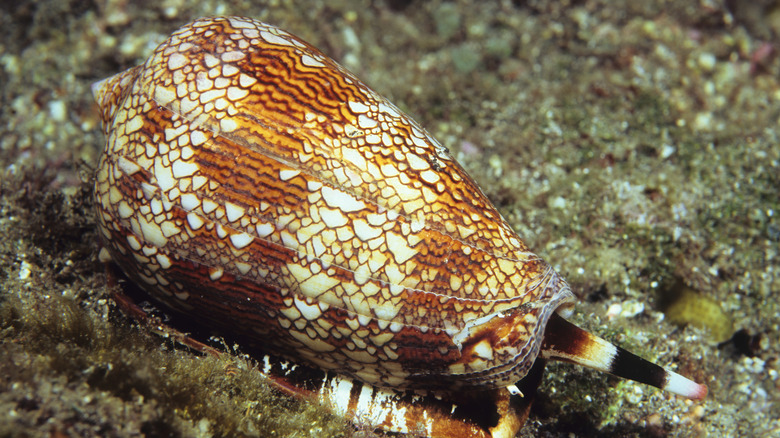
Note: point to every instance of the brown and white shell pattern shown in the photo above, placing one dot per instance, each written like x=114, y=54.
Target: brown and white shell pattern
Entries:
x=252, y=183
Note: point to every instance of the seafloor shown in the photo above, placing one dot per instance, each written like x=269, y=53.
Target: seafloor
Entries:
x=632, y=144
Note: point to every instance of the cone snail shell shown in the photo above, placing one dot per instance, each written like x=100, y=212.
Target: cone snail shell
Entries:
x=252, y=183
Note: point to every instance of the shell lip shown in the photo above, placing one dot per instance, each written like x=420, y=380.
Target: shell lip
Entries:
x=565, y=309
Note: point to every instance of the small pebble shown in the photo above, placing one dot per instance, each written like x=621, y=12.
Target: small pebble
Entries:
x=707, y=61
x=24, y=272
x=58, y=111
x=655, y=420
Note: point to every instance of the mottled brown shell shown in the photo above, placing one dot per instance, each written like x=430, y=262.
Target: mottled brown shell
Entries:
x=254, y=184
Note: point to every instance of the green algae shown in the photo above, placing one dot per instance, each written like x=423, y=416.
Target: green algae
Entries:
x=683, y=305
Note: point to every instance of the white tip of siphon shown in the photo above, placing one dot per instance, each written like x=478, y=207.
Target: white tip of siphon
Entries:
x=680, y=385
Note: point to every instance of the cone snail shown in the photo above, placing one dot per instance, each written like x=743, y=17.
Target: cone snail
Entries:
x=253, y=184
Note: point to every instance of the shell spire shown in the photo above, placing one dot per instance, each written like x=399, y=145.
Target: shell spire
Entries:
x=566, y=342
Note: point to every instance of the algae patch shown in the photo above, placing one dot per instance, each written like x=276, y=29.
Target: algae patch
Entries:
x=683, y=305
